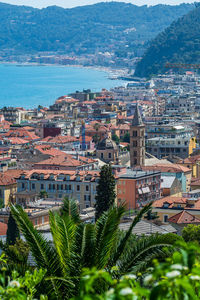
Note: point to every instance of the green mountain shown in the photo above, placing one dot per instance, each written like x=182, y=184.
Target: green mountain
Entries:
x=116, y=27
x=177, y=46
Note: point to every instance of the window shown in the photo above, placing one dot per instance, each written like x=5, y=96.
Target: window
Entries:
x=49, y=186
x=165, y=218
x=61, y=187
x=135, y=153
x=23, y=185
x=42, y=219
x=42, y=186
x=101, y=155
x=70, y=187
x=135, y=161
x=78, y=187
x=135, y=133
x=134, y=143
x=33, y=186
x=54, y=186
x=109, y=155
x=87, y=188
x=36, y=221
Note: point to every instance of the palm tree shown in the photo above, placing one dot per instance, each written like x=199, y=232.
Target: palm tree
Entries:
x=77, y=245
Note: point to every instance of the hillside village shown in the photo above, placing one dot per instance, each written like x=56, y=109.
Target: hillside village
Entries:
x=148, y=131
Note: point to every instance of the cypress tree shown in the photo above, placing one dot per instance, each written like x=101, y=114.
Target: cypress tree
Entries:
x=105, y=191
x=12, y=232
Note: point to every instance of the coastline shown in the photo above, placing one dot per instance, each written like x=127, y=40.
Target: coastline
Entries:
x=108, y=70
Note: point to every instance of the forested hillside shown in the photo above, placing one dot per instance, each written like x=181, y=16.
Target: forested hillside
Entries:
x=116, y=27
x=177, y=46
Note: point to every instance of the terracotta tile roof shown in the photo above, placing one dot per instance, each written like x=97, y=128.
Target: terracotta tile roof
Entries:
x=47, y=149
x=72, y=173
x=60, y=160
x=184, y=217
x=6, y=180
x=171, y=168
x=18, y=141
x=13, y=172
x=60, y=139
x=66, y=99
x=65, y=160
x=22, y=133
x=3, y=228
x=170, y=200
x=190, y=160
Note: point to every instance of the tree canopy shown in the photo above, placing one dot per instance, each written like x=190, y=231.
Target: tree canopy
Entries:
x=106, y=195
x=27, y=30
x=177, y=46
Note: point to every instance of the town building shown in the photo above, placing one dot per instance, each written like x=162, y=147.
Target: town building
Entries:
x=137, y=188
x=107, y=150
x=79, y=185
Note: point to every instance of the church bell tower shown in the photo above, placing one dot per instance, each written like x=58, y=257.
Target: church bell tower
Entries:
x=137, y=140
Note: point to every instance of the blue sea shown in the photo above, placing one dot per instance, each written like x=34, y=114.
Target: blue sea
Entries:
x=28, y=85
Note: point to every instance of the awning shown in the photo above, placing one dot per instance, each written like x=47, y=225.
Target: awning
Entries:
x=146, y=190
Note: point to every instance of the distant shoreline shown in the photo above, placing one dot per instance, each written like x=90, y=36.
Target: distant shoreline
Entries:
x=109, y=70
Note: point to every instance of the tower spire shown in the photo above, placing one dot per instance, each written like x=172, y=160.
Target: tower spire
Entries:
x=137, y=120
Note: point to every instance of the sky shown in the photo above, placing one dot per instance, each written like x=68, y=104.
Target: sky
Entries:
x=73, y=3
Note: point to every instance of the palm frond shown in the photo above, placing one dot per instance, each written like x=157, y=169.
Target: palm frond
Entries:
x=143, y=251
x=88, y=246
x=122, y=244
x=62, y=230
x=106, y=234
x=44, y=254
x=70, y=208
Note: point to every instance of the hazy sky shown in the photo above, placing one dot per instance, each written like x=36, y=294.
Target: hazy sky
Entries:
x=72, y=3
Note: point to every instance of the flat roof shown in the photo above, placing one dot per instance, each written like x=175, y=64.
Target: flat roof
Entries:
x=137, y=174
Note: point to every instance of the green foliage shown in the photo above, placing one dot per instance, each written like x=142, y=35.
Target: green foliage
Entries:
x=82, y=29
x=1, y=203
x=20, y=287
x=178, y=277
x=151, y=215
x=43, y=195
x=106, y=195
x=126, y=138
x=115, y=138
x=178, y=44
x=12, y=231
x=16, y=255
x=77, y=245
x=191, y=233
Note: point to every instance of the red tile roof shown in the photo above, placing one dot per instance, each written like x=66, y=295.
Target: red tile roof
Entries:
x=184, y=217
x=172, y=201
x=21, y=133
x=47, y=149
x=6, y=179
x=171, y=168
x=18, y=141
x=60, y=139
